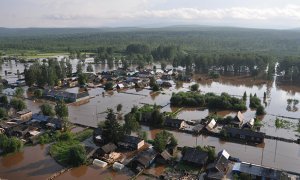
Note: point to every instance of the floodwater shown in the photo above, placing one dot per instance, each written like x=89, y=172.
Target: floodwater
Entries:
x=30, y=164
x=275, y=154
x=93, y=172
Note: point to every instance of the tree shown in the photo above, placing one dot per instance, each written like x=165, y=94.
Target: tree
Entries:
x=29, y=77
x=79, y=67
x=119, y=107
x=195, y=87
x=125, y=64
x=89, y=68
x=61, y=109
x=4, y=100
x=162, y=139
x=19, y=92
x=3, y=113
x=155, y=87
x=18, y=104
x=82, y=79
x=38, y=93
x=108, y=86
x=69, y=69
x=112, y=130
x=47, y=110
x=131, y=123
x=245, y=96
x=163, y=65
x=10, y=145
x=260, y=110
x=77, y=155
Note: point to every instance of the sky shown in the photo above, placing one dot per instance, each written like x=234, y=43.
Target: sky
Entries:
x=273, y=14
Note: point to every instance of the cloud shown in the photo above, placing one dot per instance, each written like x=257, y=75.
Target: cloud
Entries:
x=243, y=13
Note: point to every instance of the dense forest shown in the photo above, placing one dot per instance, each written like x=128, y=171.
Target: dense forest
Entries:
x=191, y=39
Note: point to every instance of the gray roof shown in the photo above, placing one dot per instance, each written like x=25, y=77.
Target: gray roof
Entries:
x=193, y=155
x=257, y=170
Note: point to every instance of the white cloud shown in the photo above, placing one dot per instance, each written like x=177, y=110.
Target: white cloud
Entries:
x=95, y=13
x=244, y=13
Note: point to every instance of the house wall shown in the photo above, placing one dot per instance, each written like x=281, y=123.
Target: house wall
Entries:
x=26, y=116
x=141, y=144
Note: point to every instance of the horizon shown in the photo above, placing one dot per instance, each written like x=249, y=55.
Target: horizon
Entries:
x=269, y=14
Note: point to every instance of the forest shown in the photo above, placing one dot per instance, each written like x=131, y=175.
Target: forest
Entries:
x=198, y=39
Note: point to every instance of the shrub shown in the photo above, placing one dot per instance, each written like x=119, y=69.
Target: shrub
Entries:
x=260, y=110
x=18, y=104
x=10, y=145
x=195, y=87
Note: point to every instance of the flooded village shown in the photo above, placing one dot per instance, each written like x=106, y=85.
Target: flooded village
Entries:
x=153, y=122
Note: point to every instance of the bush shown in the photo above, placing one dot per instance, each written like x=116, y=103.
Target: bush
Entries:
x=210, y=100
x=38, y=93
x=108, y=86
x=18, y=104
x=260, y=110
x=10, y=145
x=195, y=87
x=255, y=102
x=47, y=110
x=4, y=100
x=68, y=153
x=3, y=113
x=155, y=87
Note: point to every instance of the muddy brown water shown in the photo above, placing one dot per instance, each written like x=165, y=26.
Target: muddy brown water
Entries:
x=32, y=163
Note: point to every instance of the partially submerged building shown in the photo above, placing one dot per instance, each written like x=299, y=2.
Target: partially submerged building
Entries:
x=195, y=157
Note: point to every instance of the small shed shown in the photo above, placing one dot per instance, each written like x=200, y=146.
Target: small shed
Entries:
x=99, y=163
x=118, y=166
x=210, y=126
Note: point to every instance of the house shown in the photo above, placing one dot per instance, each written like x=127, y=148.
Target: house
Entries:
x=166, y=84
x=249, y=124
x=257, y=171
x=198, y=128
x=164, y=158
x=131, y=142
x=39, y=118
x=220, y=167
x=245, y=135
x=54, y=123
x=175, y=123
x=238, y=120
x=66, y=96
x=211, y=125
x=120, y=86
x=108, y=148
x=24, y=115
x=145, y=74
x=144, y=160
x=19, y=131
x=195, y=157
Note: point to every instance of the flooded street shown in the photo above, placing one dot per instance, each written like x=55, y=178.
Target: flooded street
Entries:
x=32, y=163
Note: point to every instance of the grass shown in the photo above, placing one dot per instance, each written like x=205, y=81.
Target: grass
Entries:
x=83, y=135
x=281, y=123
x=60, y=151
